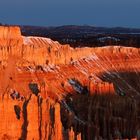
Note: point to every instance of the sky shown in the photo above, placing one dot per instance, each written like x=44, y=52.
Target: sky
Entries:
x=108, y=13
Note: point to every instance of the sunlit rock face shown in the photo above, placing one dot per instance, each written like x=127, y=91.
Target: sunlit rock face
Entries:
x=51, y=91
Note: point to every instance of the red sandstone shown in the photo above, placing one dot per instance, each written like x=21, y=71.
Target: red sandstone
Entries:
x=49, y=64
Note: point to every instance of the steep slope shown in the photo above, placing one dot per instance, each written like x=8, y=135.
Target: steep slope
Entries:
x=52, y=91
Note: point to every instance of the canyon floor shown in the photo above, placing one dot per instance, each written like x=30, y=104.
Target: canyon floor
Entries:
x=51, y=91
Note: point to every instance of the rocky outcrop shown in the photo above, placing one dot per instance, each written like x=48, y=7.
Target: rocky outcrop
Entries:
x=54, y=92
x=10, y=32
x=41, y=51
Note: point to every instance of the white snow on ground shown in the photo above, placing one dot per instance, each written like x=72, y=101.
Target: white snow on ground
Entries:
x=75, y=85
x=102, y=39
x=48, y=40
x=26, y=40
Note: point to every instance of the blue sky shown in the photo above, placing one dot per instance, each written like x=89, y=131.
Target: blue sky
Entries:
x=108, y=13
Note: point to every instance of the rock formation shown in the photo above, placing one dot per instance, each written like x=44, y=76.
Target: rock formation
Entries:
x=51, y=91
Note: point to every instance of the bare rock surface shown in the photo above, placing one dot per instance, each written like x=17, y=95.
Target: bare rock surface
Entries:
x=51, y=91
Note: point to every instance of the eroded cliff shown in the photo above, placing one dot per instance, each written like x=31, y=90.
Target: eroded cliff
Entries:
x=53, y=91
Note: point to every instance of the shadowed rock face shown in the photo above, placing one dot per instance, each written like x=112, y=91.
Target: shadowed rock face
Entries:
x=54, y=92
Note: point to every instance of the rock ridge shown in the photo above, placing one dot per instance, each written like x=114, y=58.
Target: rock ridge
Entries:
x=55, y=92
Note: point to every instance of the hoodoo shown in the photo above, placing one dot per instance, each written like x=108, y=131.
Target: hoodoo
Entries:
x=50, y=91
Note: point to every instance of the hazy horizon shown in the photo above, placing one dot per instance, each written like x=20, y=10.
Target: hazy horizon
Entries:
x=99, y=13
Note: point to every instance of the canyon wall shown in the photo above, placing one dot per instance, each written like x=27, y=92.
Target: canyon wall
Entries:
x=51, y=91
x=41, y=51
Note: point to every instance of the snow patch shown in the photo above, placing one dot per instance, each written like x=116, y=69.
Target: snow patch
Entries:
x=27, y=40
x=78, y=88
